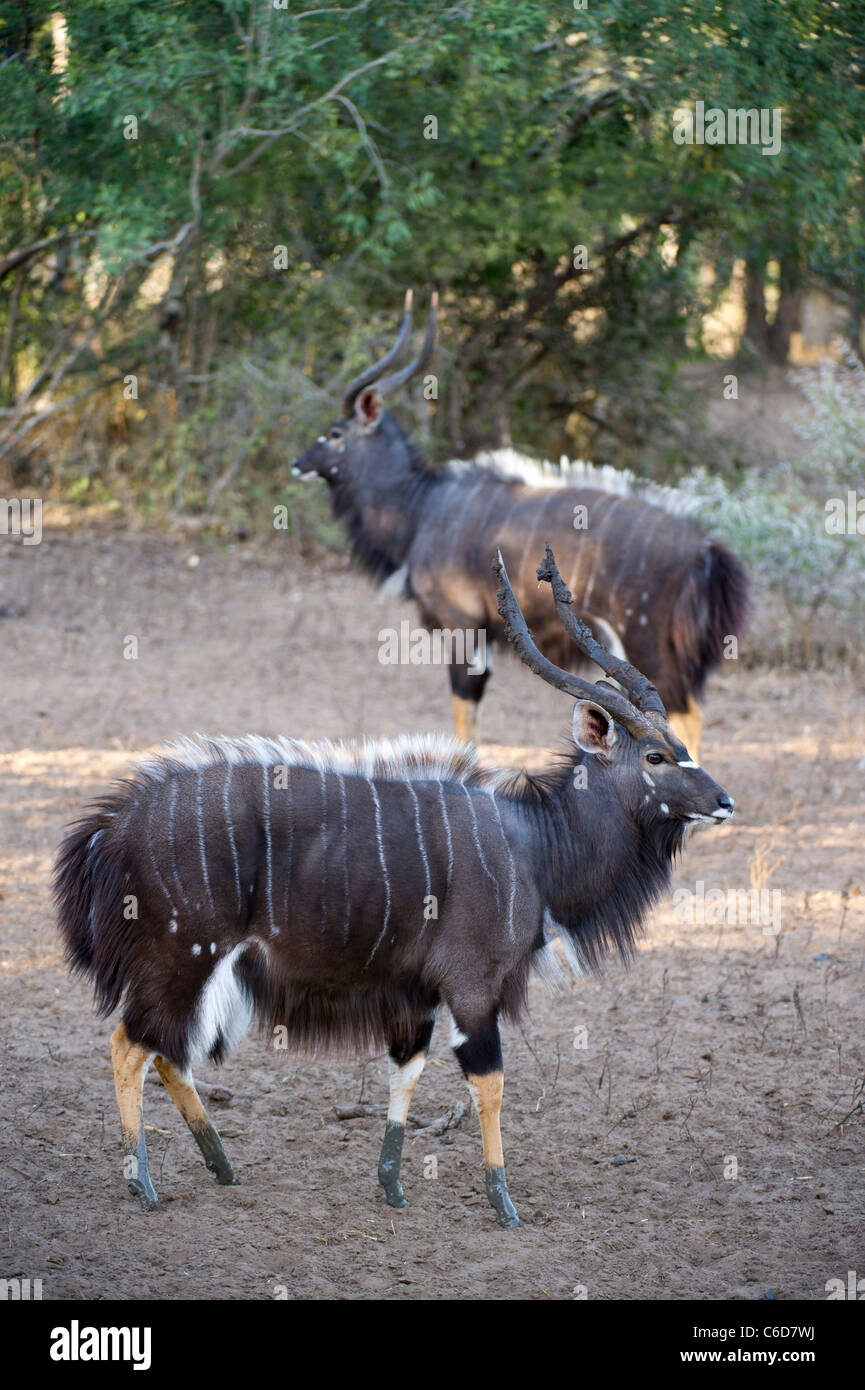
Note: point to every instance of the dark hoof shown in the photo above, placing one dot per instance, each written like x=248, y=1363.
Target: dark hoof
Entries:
x=148, y=1199
x=395, y=1197
x=497, y=1192
x=223, y=1172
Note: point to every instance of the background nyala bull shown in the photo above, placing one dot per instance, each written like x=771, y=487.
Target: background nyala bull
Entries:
x=646, y=578
x=290, y=882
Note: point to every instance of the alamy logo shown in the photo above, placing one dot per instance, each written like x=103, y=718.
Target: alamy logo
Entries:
x=730, y=126
x=415, y=646
x=77, y=1343
x=21, y=516
x=755, y=907
x=18, y=1290
x=853, y=1289
x=845, y=516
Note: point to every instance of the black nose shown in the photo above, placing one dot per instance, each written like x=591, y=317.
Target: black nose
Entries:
x=295, y=467
x=725, y=801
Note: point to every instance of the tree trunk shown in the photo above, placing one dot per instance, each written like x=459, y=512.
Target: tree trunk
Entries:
x=756, y=329
x=788, y=318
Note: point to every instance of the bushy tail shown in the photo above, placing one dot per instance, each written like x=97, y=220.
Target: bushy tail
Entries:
x=88, y=893
x=712, y=605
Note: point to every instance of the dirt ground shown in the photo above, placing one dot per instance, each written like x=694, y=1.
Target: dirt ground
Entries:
x=692, y=1129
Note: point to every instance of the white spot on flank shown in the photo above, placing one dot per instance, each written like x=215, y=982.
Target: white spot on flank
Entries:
x=665, y=808
x=196, y=950
x=213, y=948
x=172, y=925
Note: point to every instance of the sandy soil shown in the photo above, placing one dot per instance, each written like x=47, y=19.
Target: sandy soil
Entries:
x=725, y=1049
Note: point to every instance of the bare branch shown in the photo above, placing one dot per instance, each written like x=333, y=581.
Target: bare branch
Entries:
x=269, y=136
x=26, y=253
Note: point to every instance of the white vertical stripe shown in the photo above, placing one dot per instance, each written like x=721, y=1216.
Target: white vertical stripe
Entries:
x=647, y=538
x=322, y=906
x=289, y=848
x=512, y=872
x=477, y=840
x=344, y=817
x=172, y=806
x=539, y=508
x=447, y=826
x=381, y=859
x=599, y=552
x=466, y=516
x=485, y=516
x=421, y=847
x=159, y=877
x=226, y=802
x=268, y=848
x=199, y=808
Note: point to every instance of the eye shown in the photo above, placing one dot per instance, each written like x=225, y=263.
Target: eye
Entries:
x=655, y=757
x=335, y=433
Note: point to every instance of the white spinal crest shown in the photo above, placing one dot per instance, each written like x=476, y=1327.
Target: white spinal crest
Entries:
x=511, y=465
x=415, y=757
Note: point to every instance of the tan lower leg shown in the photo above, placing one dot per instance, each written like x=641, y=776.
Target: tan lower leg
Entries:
x=183, y=1093
x=688, y=727
x=188, y=1102
x=130, y=1065
x=487, y=1092
x=465, y=719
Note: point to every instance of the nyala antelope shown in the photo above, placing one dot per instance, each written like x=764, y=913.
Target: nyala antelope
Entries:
x=646, y=578
x=291, y=883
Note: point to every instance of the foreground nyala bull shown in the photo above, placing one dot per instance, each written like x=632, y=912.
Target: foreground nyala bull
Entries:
x=291, y=883
x=645, y=577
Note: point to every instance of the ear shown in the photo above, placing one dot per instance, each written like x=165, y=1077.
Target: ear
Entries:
x=368, y=408
x=594, y=730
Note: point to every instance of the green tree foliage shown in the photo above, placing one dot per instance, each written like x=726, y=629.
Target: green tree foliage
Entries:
x=155, y=157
